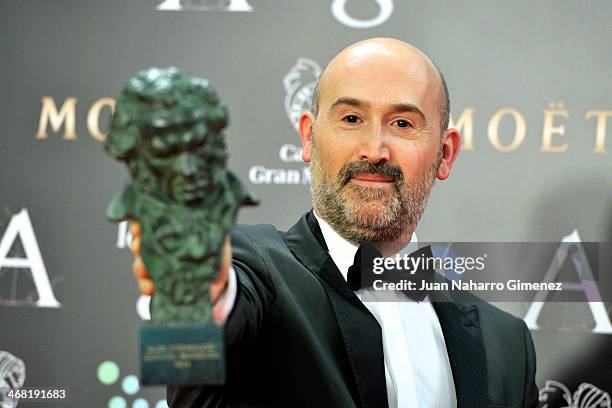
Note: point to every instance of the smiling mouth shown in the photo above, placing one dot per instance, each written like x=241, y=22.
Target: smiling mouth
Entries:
x=373, y=180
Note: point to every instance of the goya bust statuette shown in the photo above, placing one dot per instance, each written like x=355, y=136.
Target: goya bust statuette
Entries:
x=168, y=129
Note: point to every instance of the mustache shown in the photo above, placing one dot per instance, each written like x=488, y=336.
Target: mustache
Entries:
x=358, y=168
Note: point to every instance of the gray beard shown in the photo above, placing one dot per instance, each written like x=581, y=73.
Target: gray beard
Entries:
x=344, y=206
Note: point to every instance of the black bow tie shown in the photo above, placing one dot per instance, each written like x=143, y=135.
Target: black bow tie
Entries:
x=364, y=271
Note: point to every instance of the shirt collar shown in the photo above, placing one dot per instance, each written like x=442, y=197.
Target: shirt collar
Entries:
x=342, y=251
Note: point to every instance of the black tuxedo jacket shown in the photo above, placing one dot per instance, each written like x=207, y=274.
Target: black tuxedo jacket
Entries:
x=299, y=337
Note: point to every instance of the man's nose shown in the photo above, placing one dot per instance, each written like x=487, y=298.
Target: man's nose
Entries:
x=374, y=147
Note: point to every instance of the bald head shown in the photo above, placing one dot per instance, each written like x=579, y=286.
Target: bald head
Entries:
x=369, y=54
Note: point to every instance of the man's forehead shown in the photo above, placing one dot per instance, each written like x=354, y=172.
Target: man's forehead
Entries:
x=380, y=68
x=392, y=75
x=378, y=89
x=381, y=51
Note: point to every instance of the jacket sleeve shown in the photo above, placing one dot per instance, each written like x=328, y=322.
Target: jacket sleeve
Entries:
x=531, y=389
x=255, y=293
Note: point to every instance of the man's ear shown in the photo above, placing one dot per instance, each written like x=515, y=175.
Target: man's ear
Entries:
x=451, y=144
x=306, y=134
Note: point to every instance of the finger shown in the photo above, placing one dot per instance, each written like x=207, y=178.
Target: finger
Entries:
x=135, y=245
x=145, y=286
x=219, y=314
x=135, y=228
x=218, y=286
x=216, y=289
x=139, y=269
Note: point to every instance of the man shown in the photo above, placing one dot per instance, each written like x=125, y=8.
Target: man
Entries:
x=296, y=335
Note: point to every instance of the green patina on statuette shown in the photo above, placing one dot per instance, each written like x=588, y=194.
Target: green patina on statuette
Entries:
x=168, y=129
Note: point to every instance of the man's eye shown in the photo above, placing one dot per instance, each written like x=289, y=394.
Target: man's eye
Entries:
x=403, y=123
x=351, y=119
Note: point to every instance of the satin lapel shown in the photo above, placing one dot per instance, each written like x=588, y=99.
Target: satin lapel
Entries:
x=360, y=331
x=466, y=352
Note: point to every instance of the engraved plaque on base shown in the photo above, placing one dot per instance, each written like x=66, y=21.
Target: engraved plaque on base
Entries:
x=182, y=355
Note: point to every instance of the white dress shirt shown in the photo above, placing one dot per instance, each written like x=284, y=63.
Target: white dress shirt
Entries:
x=417, y=369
